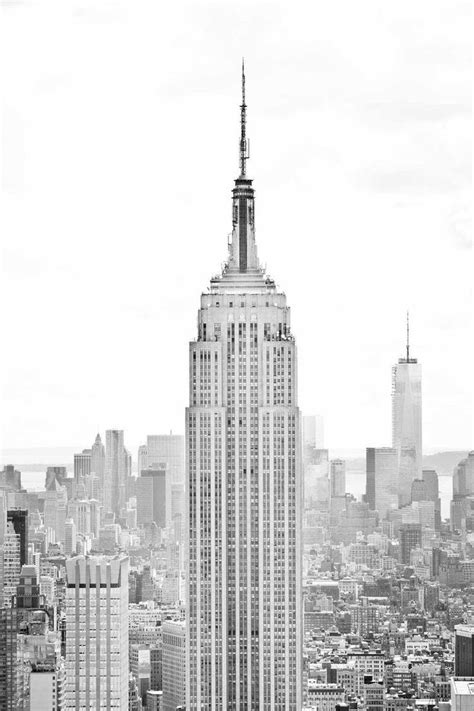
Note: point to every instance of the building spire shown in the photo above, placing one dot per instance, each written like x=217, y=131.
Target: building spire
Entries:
x=244, y=143
x=408, y=336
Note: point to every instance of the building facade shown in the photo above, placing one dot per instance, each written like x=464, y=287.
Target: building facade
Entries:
x=98, y=464
x=115, y=477
x=338, y=477
x=97, y=633
x=174, y=664
x=382, y=479
x=153, y=499
x=244, y=616
x=167, y=449
x=82, y=466
x=464, y=650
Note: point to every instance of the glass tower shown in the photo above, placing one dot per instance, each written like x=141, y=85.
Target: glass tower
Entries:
x=406, y=422
x=244, y=631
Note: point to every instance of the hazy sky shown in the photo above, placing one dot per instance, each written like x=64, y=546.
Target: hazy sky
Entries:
x=120, y=140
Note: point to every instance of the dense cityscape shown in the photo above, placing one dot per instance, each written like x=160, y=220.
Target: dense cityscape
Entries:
x=232, y=567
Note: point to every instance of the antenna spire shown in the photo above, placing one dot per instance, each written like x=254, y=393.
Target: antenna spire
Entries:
x=244, y=144
x=408, y=336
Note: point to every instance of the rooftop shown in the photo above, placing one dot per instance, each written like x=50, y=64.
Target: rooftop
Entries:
x=463, y=685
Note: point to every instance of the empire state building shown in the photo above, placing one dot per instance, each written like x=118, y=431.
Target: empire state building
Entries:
x=244, y=612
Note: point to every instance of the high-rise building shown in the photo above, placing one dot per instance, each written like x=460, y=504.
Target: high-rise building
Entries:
x=46, y=683
x=406, y=421
x=25, y=643
x=313, y=431
x=167, y=449
x=115, y=478
x=410, y=537
x=28, y=591
x=244, y=610
x=70, y=537
x=463, y=477
x=430, y=477
x=337, y=477
x=19, y=519
x=153, y=504
x=177, y=500
x=419, y=491
x=95, y=509
x=98, y=464
x=140, y=667
x=82, y=465
x=97, y=633
x=3, y=533
x=142, y=458
x=55, y=508
x=55, y=475
x=382, y=479
x=154, y=700
x=80, y=512
x=464, y=650
x=462, y=694
x=317, y=485
x=11, y=553
x=10, y=478
x=156, y=666
x=427, y=489
x=174, y=665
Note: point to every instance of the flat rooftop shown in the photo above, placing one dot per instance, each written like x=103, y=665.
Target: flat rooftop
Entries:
x=463, y=685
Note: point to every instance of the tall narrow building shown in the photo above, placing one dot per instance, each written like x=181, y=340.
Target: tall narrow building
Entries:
x=115, y=474
x=97, y=633
x=244, y=617
x=406, y=421
x=98, y=464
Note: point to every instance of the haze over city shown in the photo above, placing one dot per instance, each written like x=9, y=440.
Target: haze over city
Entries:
x=236, y=461
x=116, y=178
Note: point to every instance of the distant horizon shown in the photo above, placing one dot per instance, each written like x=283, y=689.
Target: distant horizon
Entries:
x=352, y=452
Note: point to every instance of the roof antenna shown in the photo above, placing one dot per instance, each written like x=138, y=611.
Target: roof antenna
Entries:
x=244, y=144
x=408, y=336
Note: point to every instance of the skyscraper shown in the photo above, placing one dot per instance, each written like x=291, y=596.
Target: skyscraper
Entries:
x=410, y=537
x=70, y=537
x=382, y=479
x=97, y=633
x=313, y=431
x=406, y=421
x=3, y=535
x=10, y=478
x=115, y=479
x=11, y=553
x=82, y=465
x=19, y=519
x=244, y=617
x=142, y=458
x=55, y=508
x=98, y=464
x=167, y=449
x=153, y=504
x=338, y=477
x=464, y=650
x=80, y=512
x=463, y=477
x=430, y=478
x=174, y=664
x=54, y=476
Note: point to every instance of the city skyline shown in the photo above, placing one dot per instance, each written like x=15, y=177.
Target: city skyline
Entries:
x=371, y=176
x=216, y=490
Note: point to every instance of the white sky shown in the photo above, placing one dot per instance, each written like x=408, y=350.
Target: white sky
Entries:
x=120, y=149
